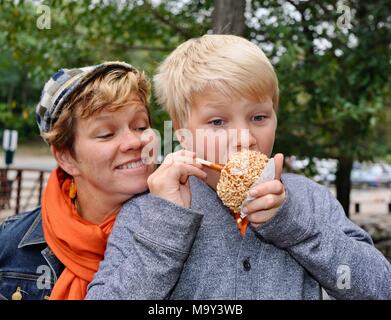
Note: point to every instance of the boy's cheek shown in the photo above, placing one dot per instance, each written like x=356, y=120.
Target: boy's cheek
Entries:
x=214, y=152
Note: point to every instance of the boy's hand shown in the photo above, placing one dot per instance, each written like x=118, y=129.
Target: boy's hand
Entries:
x=170, y=180
x=269, y=197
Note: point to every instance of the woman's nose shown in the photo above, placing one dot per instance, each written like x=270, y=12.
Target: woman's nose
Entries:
x=131, y=140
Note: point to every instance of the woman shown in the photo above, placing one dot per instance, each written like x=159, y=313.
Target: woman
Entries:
x=93, y=119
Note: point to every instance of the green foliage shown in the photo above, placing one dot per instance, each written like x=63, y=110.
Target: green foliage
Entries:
x=89, y=32
x=23, y=122
x=332, y=100
x=333, y=96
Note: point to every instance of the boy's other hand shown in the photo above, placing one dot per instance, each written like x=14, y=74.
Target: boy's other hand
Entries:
x=170, y=180
x=269, y=197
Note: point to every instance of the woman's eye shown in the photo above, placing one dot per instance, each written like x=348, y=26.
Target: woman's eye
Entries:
x=139, y=125
x=216, y=122
x=259, y=118
x=105, y=136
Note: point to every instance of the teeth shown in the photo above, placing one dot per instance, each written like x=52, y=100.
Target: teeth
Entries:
x=132, y=165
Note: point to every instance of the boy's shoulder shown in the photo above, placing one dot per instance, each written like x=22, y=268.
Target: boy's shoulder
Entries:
x=136, y=200
x=131, y=209
x=303, y=189
x=301, y=183
x=315, y=197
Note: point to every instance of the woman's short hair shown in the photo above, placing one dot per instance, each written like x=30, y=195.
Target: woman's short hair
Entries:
x=107, y=91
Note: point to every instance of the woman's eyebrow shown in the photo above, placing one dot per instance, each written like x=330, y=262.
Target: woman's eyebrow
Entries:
x=141, y=110
x=109, y=116
x=103, y=117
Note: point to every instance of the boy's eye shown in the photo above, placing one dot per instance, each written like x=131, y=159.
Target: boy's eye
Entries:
x=259, y=118
x=216, y=122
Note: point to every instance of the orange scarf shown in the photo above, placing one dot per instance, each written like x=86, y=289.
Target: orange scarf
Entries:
x=242, y=225
x=77, y=243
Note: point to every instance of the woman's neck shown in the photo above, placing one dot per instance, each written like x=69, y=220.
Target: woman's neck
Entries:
x=95, y=209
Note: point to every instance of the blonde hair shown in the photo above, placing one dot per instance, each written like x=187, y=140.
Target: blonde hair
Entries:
x=109, y=91
x=230, y=64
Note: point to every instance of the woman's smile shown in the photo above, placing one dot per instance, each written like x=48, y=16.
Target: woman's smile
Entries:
x=136, y=166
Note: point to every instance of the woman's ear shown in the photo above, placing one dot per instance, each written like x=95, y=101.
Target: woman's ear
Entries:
x=65, y=161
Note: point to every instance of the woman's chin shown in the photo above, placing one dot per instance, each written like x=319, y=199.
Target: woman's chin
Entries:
x=136, y=188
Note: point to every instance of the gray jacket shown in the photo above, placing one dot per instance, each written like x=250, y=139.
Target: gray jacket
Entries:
x=158, y=250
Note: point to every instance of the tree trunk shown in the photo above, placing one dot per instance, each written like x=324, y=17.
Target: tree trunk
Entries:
x=343, y=183
x=228, y=17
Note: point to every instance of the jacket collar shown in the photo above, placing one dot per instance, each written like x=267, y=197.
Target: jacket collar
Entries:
x=34, y=235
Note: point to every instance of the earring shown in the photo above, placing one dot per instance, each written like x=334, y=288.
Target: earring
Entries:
x=72, y=190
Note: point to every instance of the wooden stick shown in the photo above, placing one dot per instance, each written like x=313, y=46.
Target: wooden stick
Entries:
x=214, y=166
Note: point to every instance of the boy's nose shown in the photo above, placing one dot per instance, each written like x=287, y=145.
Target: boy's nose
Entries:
x=242, y=139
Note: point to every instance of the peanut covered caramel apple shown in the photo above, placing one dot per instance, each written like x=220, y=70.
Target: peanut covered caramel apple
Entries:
x=238, y=175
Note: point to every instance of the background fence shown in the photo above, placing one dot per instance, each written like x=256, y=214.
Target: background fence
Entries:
x=21, y=189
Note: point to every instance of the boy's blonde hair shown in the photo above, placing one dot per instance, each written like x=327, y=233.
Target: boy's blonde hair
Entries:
x=230, y=64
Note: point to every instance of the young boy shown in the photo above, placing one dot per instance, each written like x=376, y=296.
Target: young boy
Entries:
x=181, y=242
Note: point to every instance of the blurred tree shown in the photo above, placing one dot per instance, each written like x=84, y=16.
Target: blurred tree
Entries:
x=89, y=32
x=228, y=17
x=333, y=62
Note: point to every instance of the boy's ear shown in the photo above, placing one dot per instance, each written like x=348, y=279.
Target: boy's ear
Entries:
x=180, y=138
x=65, y=161
x=175, y=124
x=179, y=133
x=185, y=138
